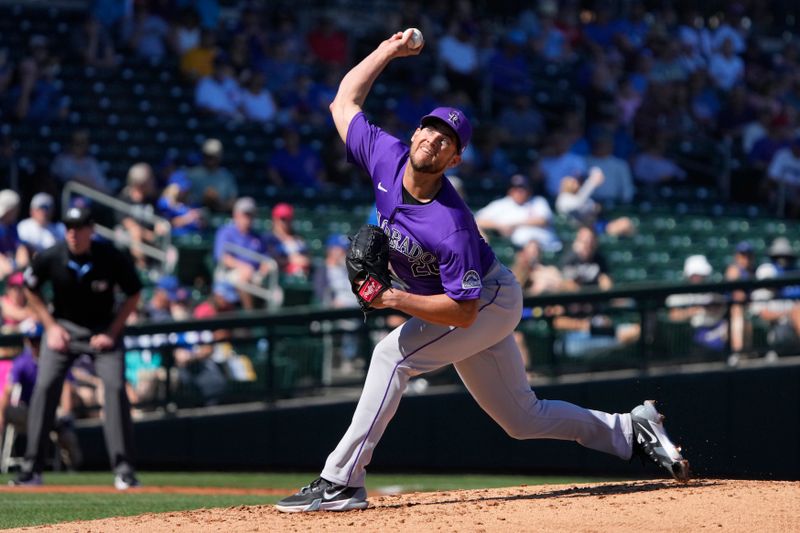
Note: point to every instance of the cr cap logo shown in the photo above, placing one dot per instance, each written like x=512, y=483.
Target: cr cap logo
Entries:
x=471, y=280
x=454, y=118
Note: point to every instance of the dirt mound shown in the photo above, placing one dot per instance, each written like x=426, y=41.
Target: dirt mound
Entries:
x=711, y=505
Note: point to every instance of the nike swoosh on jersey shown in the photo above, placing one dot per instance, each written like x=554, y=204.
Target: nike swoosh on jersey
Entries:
x=381, y=187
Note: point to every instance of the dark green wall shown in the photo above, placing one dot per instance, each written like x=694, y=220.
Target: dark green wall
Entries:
x=737, y=423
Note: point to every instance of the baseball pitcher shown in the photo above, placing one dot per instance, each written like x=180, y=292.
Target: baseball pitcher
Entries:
x=463, y=302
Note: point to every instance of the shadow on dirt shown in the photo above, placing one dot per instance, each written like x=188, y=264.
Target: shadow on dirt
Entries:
x=572, y=492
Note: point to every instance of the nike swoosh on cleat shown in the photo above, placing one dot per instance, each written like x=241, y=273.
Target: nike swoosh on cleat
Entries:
x=332, y=495
x=381, y=187
x=653, y=438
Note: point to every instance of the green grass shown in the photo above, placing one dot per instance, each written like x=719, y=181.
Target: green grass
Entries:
x=26, y=509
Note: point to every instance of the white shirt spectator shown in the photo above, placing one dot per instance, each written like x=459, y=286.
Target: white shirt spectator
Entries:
x=459, y=56
x=259, y=106
x=555, y=168
x=39, y=237
x=699, y=39
x=618, y=184
x=220, y=97
x=508, y=212
x=726, y=71
x=580, y=203
x=785, y=167
x=726, y=32
x=751, y=134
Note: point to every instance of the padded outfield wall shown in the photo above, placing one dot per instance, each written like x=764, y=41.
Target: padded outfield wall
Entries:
x=731, y=423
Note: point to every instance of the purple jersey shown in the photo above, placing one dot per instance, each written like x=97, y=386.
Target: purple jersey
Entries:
x=24, y=372
x=436, y=247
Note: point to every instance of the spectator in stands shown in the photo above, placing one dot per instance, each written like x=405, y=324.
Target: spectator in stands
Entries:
x=232, y=243
x=197, y=369
x=219, y=94
x=508, y=68
x=168, y=301
x=14, y=306
x=285, y=245
x=520, y=124
x=172, y=205
x=616, y=187
x=13, y=254
x=256, y=101
x=212, y=185
x=783, y=181
x=141, y=196
x=705, y=312
x=558, y=162
x=520, y=216
x=332, y=290
x=93, y=44
x=726, y=68
x=742, y=267
x=778, y=135
x=781, y=314
x=652, y=167
x=35, y=97
x=328, y=43
x=628, y=101
x=331, y=284
x=23, y=374
x=458, y=52
x=77, y=164
x=584, y=265
x=534, y=277
x=185, y=33
x=145, y=32
x=39, y=232
x=575, y=201
x=296, y=164
x=198, y=62
x=784, y=258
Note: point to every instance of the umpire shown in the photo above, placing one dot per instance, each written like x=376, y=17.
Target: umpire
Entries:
x=83, y=274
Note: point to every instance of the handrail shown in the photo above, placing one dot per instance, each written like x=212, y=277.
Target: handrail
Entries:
x=272, y=295
x=154, y=252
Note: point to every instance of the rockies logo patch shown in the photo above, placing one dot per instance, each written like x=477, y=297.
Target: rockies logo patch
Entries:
x=471, y=280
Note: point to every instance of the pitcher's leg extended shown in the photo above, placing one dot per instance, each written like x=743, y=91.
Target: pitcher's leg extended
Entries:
x=496, y=379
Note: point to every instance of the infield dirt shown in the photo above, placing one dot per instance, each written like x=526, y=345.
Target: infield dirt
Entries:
x=652, y=506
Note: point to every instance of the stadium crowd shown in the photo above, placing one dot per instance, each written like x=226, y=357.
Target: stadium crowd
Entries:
x=581, y=107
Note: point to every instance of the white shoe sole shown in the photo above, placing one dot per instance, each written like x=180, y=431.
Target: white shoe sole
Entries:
x=318, y=505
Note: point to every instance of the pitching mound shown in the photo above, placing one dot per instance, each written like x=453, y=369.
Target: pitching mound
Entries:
x=710, y=505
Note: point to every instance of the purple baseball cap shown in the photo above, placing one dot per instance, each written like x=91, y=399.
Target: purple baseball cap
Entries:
x=456, y=120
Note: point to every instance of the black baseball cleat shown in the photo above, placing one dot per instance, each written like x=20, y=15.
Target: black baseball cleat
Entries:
x=26, y=479
x=322, y=495
x=650, y=440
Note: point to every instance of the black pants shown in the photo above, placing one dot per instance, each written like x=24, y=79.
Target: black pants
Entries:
x=53, y=366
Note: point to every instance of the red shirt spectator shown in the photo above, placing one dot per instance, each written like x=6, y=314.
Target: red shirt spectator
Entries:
x=328, y=43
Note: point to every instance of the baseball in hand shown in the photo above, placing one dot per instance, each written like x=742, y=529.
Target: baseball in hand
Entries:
x=416, y=40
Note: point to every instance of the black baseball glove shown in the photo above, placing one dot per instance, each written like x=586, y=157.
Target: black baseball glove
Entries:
x=368, y=265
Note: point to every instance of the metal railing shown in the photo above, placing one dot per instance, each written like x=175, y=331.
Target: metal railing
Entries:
x=164, y=253
x=287, y=346
x=270, y=290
